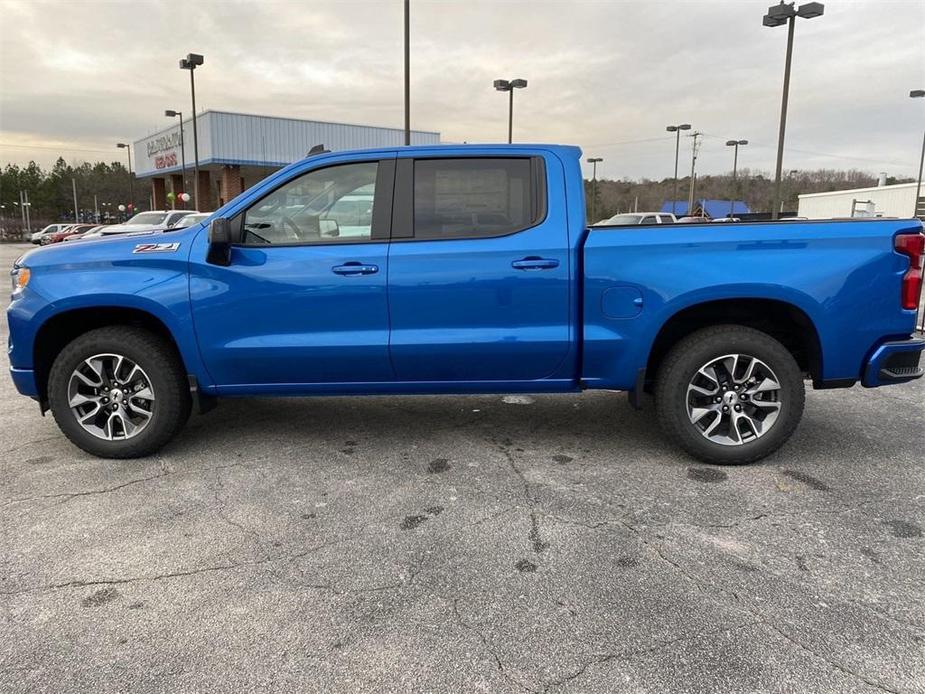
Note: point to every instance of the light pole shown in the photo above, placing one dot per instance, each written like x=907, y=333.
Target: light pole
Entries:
x=509, y=86
x=131, y=183
x=191, y=62
x=677, y=146
x=778, y=15
x=918, y=94
x=407, y=72
x=593, y=162
x=735, y=164
x=170, y=113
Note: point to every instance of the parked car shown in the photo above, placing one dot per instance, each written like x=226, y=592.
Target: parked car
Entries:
x=155, y=220
x=66, y=232
x=475, y=274
x=50, y=229
x=723, y=220
x=81, y=234
x=631, y=218
x=693, y=220
x=190, y=219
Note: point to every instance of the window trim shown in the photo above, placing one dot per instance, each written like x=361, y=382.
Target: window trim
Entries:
x=380, y=226
x=403, y=206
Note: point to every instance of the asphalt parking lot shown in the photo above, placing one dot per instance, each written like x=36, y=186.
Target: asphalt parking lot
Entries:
x=488, y=543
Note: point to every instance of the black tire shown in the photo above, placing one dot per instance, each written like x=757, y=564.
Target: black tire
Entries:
x=158, y=360
x=693, y=352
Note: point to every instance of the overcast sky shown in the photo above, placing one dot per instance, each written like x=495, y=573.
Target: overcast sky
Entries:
x=78, y=76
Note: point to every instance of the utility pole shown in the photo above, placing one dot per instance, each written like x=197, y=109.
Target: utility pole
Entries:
x=74, y=191
x=694, y=147
x=593, y=162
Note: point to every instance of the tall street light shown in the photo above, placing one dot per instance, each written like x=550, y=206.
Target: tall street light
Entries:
x=735, y=164
x=778, y=15
x=407, y=72
x=918, y=94
x=170, y=113
x=593, y=162
x=677, y=145
x=510, y=86
x=191, y=62
x=131, y=183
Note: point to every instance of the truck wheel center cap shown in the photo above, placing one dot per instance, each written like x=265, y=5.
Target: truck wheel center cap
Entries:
x=116, y=395
x=731, y=397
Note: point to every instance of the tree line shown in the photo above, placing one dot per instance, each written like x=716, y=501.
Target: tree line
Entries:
x=756, y=188
x=51, y=195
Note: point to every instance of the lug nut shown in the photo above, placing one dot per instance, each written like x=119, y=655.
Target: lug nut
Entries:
x=725, y=408
x=738, y=408
x=744, y=396
x=105, y=400
x=115, y=407
x=717, y=399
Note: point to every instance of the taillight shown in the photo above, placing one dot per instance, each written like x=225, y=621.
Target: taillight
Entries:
x=912, y=245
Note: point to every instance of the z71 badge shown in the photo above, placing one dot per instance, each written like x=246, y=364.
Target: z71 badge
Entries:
x=156, y=248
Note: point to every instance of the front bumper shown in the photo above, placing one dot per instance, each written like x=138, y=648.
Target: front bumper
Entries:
x=894, y=362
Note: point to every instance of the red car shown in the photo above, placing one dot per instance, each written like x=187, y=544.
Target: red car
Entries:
x=73, y=230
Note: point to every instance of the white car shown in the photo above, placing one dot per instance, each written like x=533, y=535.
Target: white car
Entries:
x=50, y=229
x=155, y=220
x=632, y=218
x=191, y=219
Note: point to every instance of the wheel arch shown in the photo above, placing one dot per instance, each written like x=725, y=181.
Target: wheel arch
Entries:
x=784, y=321
x=65, y=326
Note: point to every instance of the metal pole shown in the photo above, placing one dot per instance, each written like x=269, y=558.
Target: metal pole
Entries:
x=677, y=147
x=22, y=209
x=96, y=210
x=192, y=88
x=131, y=182
x=74, y=191
x=182, y=155
x=407, y=72
x=783, y=120
x=28, y=212
x=510, y=118
x=918, y=185
x=593, y=189
x=690, y=199
x=735, y=162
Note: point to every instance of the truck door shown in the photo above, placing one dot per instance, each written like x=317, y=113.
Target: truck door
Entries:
x=479, y=269
x=303, y=300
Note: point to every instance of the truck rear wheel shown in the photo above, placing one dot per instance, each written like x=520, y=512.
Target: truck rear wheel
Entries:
x=119, y=392
x=729, y=394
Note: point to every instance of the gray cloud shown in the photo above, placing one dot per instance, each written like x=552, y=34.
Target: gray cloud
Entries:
x=83, y=75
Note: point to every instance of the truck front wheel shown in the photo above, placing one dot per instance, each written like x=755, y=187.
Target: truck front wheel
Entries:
x=119, y=392
x=729, y=394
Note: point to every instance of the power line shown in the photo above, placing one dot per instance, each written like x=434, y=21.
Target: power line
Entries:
x=758, y=143
x=54, y=149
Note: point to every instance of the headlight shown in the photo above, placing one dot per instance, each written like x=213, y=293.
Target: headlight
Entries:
x=20, y=277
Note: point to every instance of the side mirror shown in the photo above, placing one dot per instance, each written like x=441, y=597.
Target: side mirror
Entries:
x=219, y=242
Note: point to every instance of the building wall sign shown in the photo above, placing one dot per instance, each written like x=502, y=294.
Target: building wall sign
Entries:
x=163, y=143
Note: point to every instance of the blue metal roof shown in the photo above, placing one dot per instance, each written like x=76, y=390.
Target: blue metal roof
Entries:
x=713, y=208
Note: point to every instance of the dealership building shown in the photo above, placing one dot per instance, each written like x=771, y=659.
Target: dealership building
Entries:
x=236, y=150
x=877, y=201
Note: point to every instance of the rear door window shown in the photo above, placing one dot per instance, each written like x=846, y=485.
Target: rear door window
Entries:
x=475, y=197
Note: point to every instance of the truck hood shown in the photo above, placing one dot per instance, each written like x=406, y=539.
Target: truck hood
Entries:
x=112, y=248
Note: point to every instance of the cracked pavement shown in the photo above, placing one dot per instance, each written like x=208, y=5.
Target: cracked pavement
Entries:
x=482, y=543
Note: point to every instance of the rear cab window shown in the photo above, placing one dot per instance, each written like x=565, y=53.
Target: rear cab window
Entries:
x=474, y=197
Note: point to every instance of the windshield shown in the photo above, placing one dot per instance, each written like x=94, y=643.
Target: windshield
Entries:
x=191, y=219
x=148, y=218
x=621, y=220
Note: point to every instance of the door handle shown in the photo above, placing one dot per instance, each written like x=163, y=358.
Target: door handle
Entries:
x=353, y=269
x=535, y=263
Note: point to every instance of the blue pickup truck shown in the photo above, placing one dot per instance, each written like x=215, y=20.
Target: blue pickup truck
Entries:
x=461, y=269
